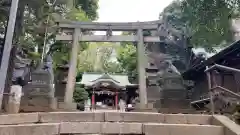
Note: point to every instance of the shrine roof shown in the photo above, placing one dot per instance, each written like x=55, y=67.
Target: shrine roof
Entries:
x=89, y=79
x=228, y=57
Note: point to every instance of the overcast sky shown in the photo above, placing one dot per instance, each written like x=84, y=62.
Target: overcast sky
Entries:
x=132, y=11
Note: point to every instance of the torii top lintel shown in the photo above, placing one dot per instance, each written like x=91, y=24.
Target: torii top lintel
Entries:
x=104, y=26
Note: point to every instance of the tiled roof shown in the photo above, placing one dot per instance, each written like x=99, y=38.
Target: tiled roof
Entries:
x=89, y=79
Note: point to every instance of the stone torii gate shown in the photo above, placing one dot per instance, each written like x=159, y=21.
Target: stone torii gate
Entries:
x=74, y=31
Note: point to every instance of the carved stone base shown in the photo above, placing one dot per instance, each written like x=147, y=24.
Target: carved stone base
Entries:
x=67, y=106
x=144, y=110
x=12, y=108
x=148, y=107
x=38, y=104
x=172, y=103
x=14, y=99
x=35, y=109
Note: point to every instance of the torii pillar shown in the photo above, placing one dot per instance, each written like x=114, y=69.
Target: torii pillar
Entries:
x=70, y=87
x=141, y=70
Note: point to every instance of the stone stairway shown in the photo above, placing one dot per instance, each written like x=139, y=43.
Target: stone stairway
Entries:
x=59, y=123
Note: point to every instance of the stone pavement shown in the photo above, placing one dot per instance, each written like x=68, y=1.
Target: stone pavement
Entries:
x=55, y=123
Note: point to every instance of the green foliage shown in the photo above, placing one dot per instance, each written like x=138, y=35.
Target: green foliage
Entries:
x=97, y=58
x=208, y=22
x=61, y=51
x=236, y=114
x=127, y=58
x=80, y=95
x=77, y=15
x=34, y=55
x=79, y=76
x=89, y=6
x=4, y=11
x=113, y=67
x=36, y=19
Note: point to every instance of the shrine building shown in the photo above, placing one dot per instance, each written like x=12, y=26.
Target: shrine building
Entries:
x=108, y=89
x=226, y=77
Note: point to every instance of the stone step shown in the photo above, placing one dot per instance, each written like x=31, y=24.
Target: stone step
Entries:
x=182, y=129
x=141, y=117
x=110, y=128
x=116, y=123
x=177, y=110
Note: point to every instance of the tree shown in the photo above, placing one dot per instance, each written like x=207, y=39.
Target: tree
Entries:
x=36, y=19
x=80, y=95
x=35, y=26
x=61, y=51
x=89, y=6
x=113, y=67
x=127, y=58
x=97, y=58
x=208, y=23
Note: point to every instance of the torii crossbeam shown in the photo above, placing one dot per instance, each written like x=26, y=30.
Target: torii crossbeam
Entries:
x=73, y=31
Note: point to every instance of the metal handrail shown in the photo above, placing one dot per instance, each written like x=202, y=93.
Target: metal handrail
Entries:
x=226, y=90
x=221, y=67
x=217, y=66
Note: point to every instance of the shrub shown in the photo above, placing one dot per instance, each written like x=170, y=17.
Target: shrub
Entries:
x=80, y=95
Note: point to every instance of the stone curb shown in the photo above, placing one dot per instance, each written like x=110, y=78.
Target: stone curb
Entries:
x=109, y=128
x=56, y=117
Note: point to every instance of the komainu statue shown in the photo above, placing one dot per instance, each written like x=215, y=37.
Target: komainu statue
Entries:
x=21, y=70
x=20, y=78
x=39, y=93
x=172, y=91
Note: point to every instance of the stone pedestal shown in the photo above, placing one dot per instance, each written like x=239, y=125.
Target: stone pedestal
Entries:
x=62, y=106
x=149, y=108
x=13, y=108
x=14, y=99
x=53, y=103
x=39, y=94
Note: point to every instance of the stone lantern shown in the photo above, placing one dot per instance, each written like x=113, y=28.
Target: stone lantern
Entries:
x=61, y=81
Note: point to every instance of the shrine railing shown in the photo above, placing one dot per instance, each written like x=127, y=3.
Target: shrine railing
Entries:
x=213, y=86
